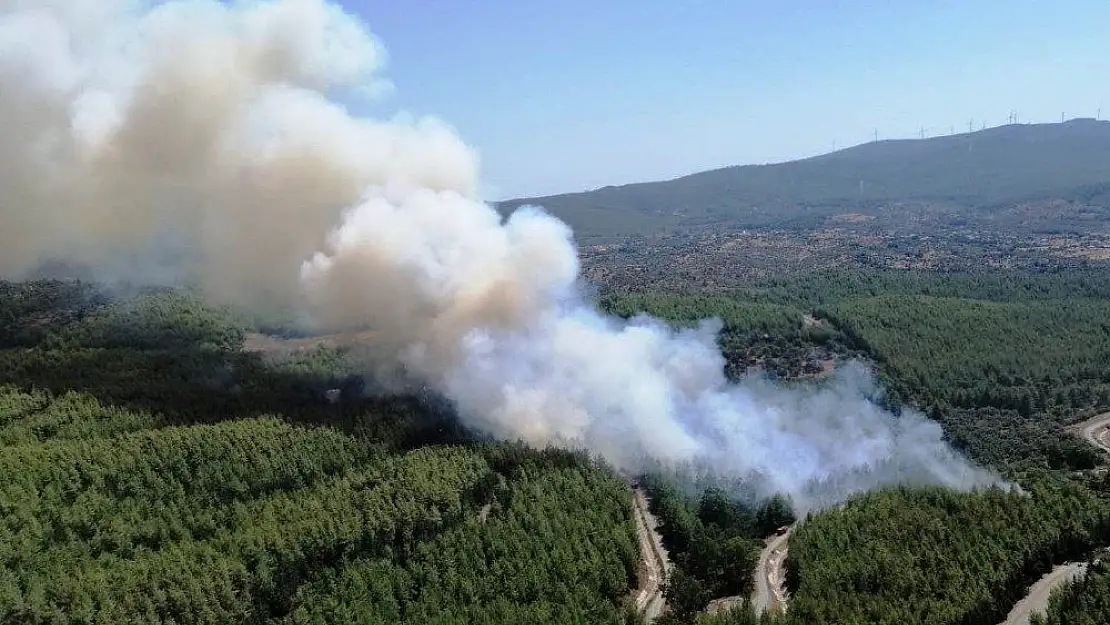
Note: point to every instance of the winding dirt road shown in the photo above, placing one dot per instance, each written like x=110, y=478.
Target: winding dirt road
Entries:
x=770, y=591
x=1095, y=431
x=1037, y=599
x=655, y=565
x=770, y=576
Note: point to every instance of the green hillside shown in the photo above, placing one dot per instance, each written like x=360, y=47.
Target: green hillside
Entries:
x=947, y=179
x=153, y=472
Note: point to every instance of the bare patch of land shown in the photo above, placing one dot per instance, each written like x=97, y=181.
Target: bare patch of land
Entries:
x=724, y=260
x=274, y=345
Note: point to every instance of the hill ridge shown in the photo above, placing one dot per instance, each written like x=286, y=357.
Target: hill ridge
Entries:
x=962, y=173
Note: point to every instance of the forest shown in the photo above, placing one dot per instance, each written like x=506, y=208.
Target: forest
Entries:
x=155, y=471
x=1002, y=360
x=152, y=471
x=934, y=556
x=714, y=541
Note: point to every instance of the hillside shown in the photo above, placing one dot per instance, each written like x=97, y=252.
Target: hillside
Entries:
x=154, y=472
x=991, y=177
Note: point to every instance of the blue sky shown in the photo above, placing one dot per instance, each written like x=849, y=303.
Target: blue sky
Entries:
x=569, y=95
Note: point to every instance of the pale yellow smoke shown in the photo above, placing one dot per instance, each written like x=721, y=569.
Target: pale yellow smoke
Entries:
x=212, y=143
x=199, y=129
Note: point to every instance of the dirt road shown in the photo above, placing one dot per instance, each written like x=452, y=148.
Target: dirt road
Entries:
x=654, y=563
x=770, y=576
x=1037, y=599
x=1096, y=430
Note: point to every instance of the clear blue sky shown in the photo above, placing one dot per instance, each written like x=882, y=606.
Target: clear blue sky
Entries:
x=565, y=95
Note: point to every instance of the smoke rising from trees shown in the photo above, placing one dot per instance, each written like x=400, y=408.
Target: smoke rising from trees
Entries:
x=212, y=143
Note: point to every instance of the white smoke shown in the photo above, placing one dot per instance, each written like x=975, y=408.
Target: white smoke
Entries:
x=207, y=141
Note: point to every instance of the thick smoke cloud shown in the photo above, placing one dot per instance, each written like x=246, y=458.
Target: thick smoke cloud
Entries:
x=209, y=142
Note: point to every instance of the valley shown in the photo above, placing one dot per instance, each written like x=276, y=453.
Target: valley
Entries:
x=275, y=349
x=172, y=453
x=102, y=374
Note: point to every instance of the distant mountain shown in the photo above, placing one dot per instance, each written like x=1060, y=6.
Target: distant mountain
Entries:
x=936, y=180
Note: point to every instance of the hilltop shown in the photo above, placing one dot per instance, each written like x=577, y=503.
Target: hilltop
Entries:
x=1042, y=177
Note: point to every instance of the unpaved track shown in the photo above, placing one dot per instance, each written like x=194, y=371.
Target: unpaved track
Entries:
x=769, y=592
x=1037, y=599
x=768, y=581
x=1096, y=431
x=770, y=576
x=654, y=563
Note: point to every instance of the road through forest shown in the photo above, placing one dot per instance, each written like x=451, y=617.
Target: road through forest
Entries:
x=769, y=592
x=654, y=562
x=1096, y=431
x=770, y=576
x=1037, y=598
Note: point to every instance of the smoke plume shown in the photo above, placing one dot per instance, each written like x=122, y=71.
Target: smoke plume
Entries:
x=212, y=142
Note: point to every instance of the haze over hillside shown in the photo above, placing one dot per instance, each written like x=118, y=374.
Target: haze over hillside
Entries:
x=948, y=179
